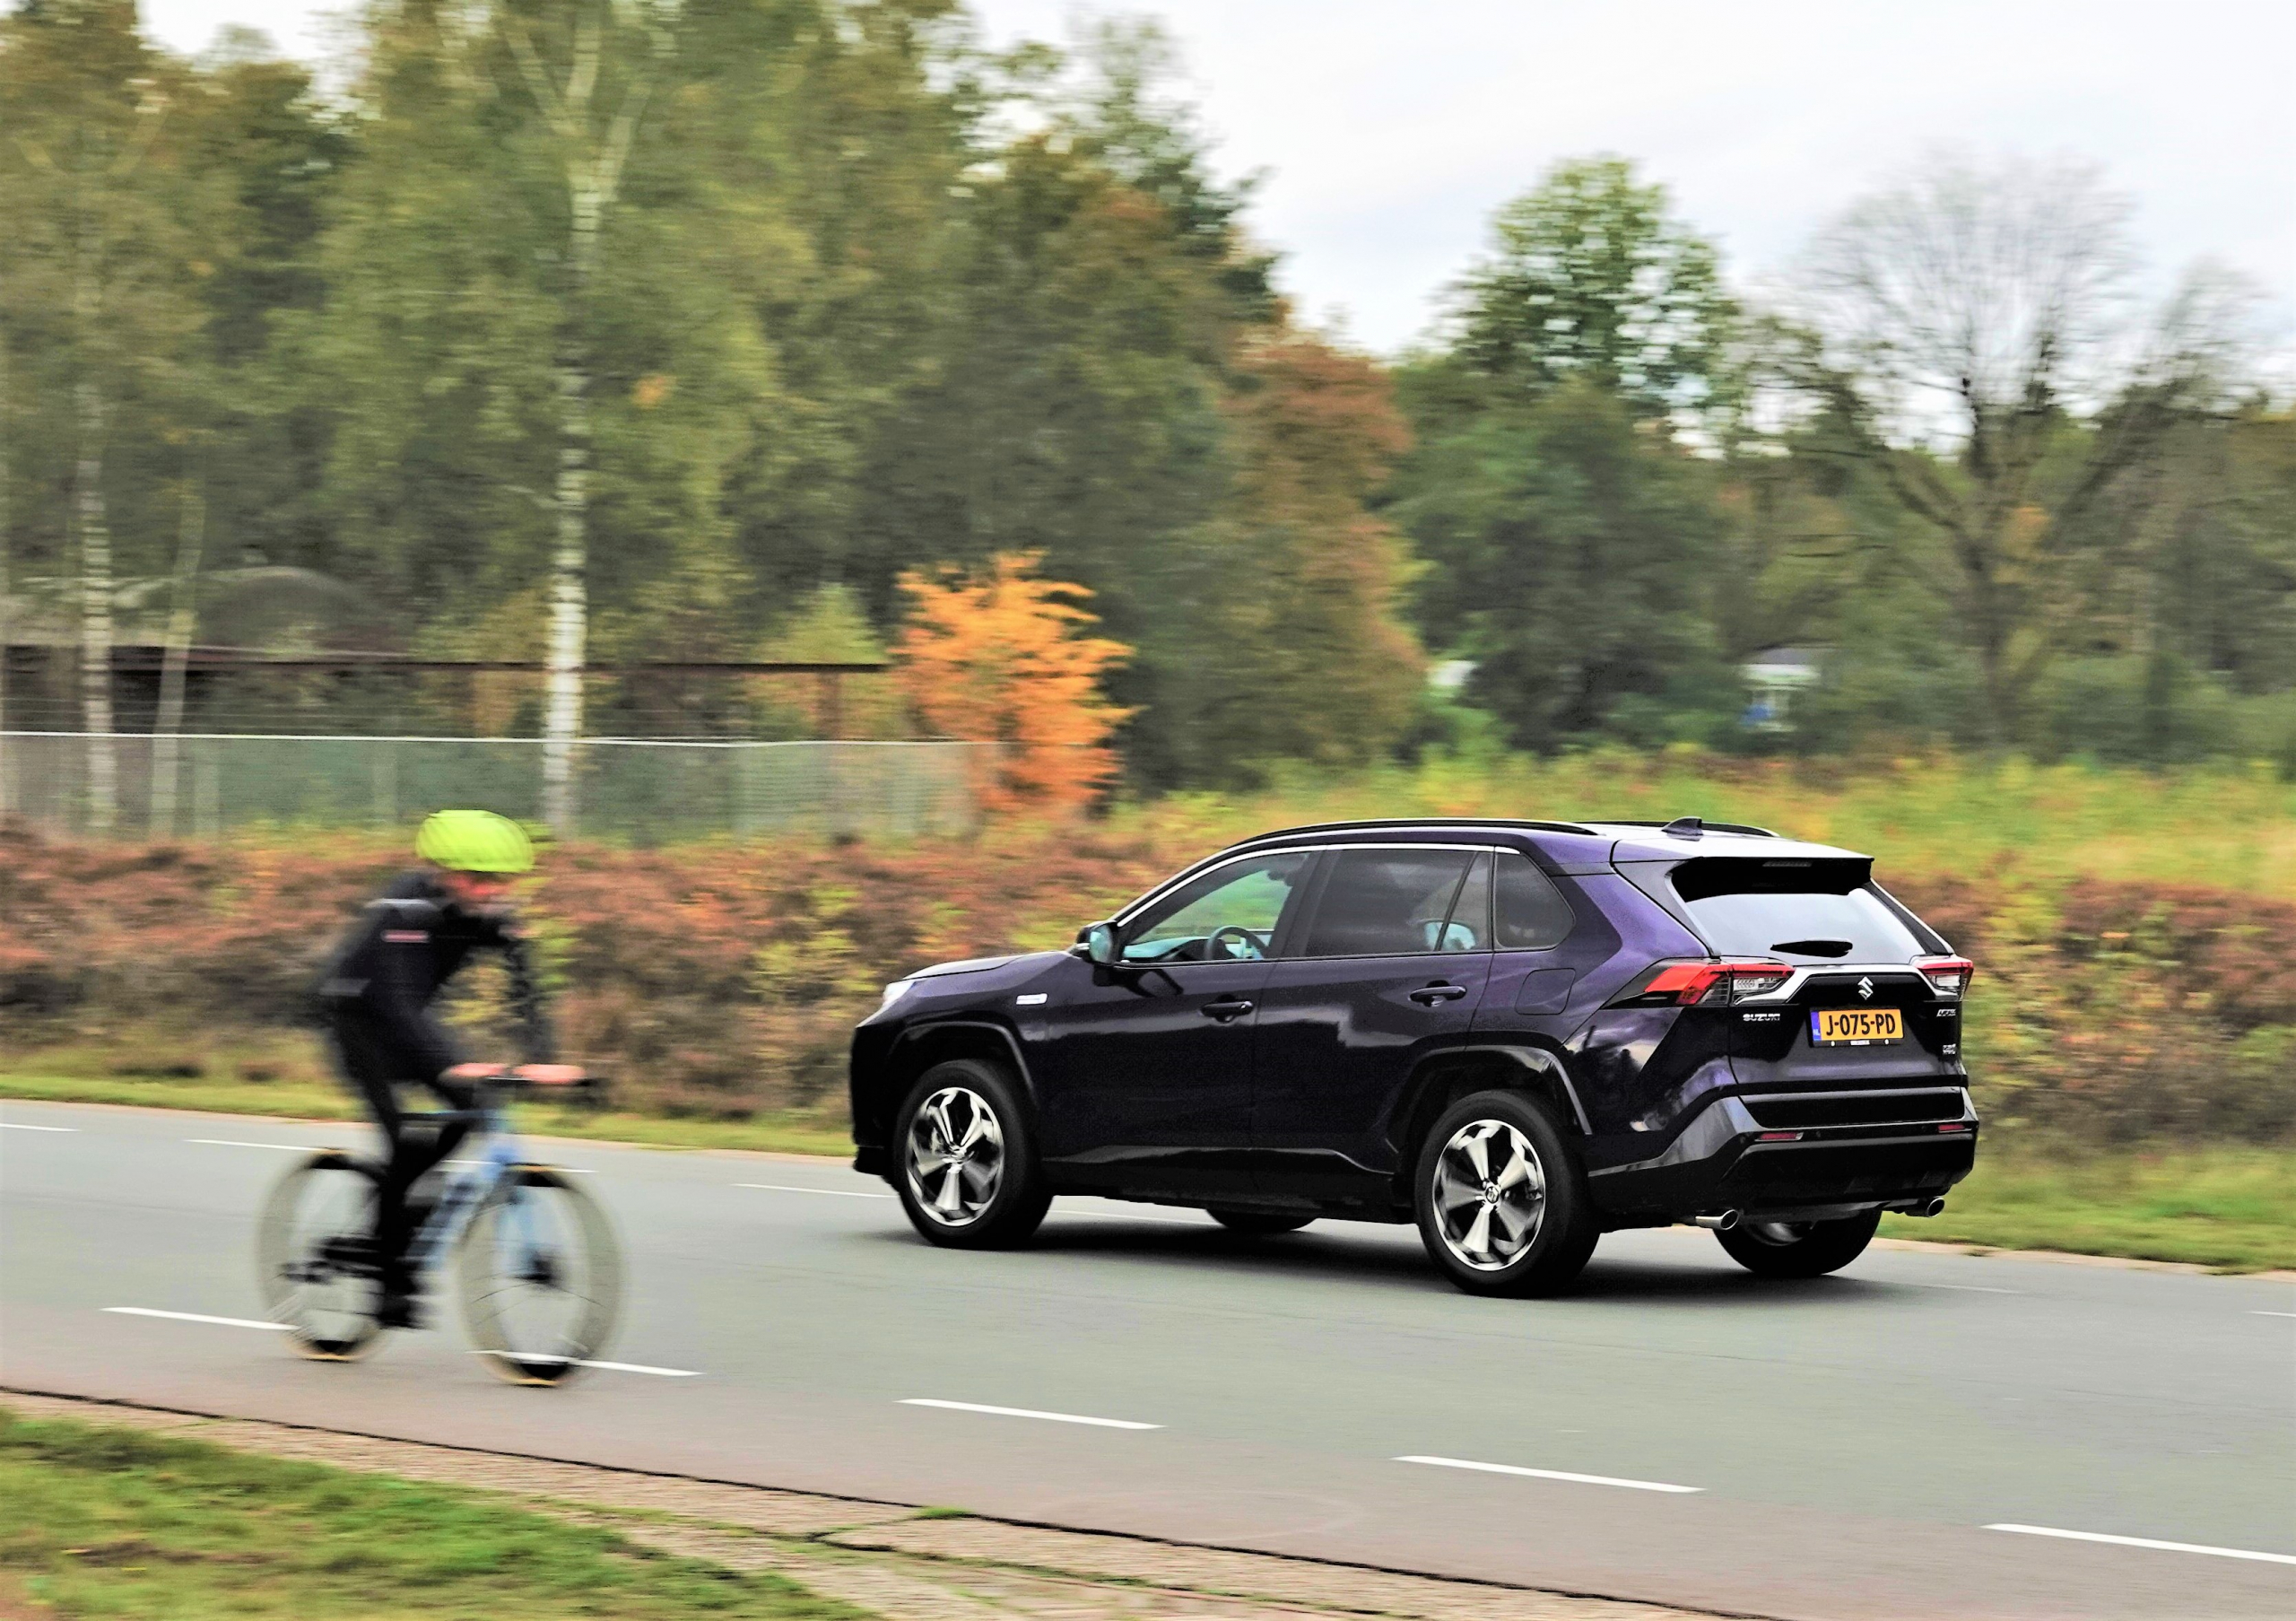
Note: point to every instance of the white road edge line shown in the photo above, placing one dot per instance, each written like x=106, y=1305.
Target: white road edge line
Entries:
x=2173, y=1547
x=225, y=1142
x=20, y=1126
x=227, y=1322
x=2272, y=1313
x=833, y=1193
x=614, y=1367
x=975, y=1407
x=1509, y=1469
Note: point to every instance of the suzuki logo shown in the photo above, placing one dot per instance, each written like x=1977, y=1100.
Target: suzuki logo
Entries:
x=1865, y=989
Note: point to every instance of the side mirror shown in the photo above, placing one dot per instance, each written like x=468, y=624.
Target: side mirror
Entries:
x=1099, y=941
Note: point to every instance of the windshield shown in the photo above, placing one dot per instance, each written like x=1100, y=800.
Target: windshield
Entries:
x=1804, y=927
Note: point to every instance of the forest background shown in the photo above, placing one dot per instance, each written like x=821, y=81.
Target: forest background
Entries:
x=606, y=330
x=603, y=331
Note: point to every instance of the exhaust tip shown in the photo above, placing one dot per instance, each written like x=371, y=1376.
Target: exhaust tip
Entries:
x=1934, y=1206
x=1722, y=1222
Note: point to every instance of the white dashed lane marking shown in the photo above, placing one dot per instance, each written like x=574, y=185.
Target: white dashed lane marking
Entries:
x=975, y=1407
x=225, y=1142
x=20, y=1126
x=224, y=1322
x=615, y=1367
x=833, y=1193
x=1566, y=1475
x=2168, y=1547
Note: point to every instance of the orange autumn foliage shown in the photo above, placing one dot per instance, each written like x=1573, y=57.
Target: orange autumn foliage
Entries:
x=1003, y=658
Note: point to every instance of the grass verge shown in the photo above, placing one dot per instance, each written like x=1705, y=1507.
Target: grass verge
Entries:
x=2231, y=1208
x=111, y=1522
x=301, y=1099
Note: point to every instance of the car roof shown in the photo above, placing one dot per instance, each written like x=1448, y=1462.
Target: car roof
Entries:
x=1682, y=838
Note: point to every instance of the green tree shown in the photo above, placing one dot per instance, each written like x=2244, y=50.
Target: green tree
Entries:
x=1590, y=275
x=1568, y=548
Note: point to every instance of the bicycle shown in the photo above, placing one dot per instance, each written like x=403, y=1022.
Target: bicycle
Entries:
x=537, y=1267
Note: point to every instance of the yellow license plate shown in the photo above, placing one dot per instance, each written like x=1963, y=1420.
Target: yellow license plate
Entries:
x=1855, y=1026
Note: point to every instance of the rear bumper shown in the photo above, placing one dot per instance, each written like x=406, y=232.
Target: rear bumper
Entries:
x=1722, y=1162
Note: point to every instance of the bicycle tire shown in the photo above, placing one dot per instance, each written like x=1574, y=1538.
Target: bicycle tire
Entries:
x=540, y=1304
x=315, y=1262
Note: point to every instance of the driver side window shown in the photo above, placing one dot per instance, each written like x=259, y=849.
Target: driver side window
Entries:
x=1227, y=915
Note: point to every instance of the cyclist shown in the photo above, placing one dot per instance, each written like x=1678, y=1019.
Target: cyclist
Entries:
x=408, y=942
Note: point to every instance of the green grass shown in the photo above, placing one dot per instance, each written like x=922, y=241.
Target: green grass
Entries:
x=112, y=1523
x=2224, y=826
x=2224, y=1206
x=296, y=1097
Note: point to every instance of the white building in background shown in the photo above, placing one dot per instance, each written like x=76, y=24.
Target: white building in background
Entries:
x=1772, y=678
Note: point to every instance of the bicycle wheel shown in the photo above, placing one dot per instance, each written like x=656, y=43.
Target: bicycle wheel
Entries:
x=315, y=1256
x=541, y=1277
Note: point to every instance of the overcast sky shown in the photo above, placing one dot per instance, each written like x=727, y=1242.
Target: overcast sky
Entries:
x=1391, y=130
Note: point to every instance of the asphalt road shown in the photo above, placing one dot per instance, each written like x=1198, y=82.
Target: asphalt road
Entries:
x=1850, y=1441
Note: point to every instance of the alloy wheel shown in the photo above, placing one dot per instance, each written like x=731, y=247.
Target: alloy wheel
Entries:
x=1490, y=1195
x=956, y=1155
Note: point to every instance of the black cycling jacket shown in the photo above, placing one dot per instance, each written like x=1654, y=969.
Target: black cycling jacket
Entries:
x=408, y=943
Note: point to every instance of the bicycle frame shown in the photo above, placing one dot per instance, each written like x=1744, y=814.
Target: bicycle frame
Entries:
x=463, y=1194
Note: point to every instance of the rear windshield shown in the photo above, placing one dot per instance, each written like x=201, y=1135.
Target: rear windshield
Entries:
x=1821, y=912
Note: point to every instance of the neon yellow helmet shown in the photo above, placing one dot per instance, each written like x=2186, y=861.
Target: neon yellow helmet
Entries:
x=475, y=842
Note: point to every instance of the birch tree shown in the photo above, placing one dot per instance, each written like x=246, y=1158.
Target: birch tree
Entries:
x=591, y=82
x=85, y=103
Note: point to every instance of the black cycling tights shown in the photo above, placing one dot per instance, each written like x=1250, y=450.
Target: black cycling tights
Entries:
x=376, y=1066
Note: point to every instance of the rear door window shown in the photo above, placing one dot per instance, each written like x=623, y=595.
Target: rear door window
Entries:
x=1392, y=902
x=1812, y=911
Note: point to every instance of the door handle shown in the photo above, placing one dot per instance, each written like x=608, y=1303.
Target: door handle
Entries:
x=1227, y=1007
x=1433, y=994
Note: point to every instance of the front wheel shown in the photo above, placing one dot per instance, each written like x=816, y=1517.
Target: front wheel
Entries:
x=968, y=1176
x=1502, y=1203
x=1799, y=1249
x=315, y=1256
x=540, y=1274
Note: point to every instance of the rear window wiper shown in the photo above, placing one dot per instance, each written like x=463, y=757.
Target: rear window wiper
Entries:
x=1814, y=948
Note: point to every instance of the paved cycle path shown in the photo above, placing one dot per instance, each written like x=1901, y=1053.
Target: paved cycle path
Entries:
x=1678, y=1431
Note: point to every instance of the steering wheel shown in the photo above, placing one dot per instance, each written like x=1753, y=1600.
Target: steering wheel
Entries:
x=1255, y=946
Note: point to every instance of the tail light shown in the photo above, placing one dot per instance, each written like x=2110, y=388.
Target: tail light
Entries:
x=1704, y=984
x=1947, y=976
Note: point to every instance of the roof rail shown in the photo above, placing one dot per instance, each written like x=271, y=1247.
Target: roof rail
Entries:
x=1712, y=827
x=1379, y=822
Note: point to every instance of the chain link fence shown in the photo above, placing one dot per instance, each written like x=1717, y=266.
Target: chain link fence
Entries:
x=647, y=792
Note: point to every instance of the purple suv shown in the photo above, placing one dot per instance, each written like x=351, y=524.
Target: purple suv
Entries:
x=1518, y=1035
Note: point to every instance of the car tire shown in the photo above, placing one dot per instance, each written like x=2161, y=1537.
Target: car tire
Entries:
x=965, y=1158
x=1259, y=1224
x=1799, y=1249
x=1503, y=1241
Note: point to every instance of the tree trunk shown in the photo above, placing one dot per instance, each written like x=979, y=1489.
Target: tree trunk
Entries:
x=569, y=566
x=167, y=735
x=95, y=611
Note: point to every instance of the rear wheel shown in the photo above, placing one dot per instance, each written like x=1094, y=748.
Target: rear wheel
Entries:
x=1799, y=1249
x=1501, y=1200
x=314, y=1257
x=968, y=1175
x=1260, y=1223
x=540, y=1274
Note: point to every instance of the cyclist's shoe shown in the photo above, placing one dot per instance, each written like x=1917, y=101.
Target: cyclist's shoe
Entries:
x=399, y=1309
